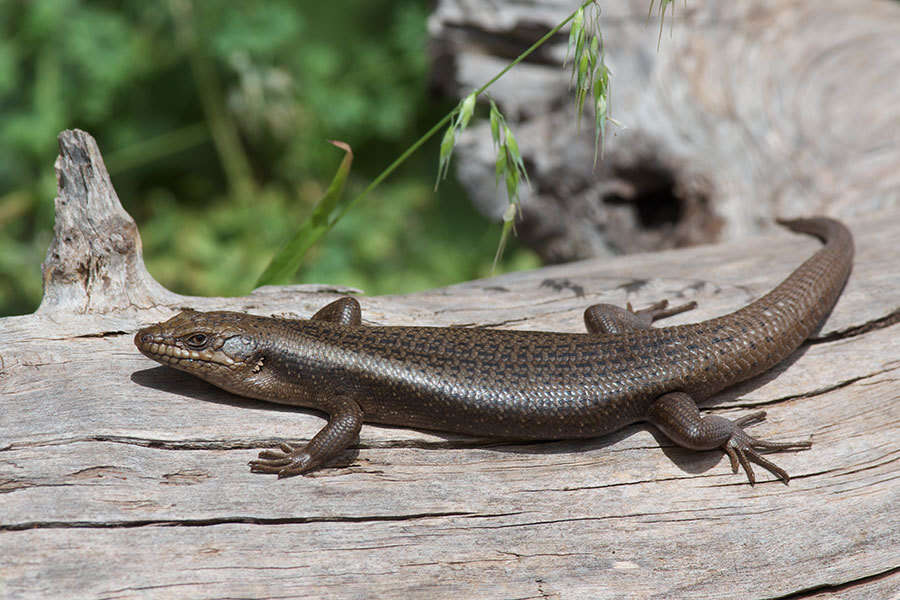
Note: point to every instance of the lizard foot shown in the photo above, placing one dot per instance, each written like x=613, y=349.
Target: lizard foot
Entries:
x=287, y=461
x=742, y=449
x=660, y=310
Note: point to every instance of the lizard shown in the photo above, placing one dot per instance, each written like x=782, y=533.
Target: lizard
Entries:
x=530, y=385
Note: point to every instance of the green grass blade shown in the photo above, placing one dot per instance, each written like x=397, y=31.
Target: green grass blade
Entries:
x=504, y=235
x=321, y=219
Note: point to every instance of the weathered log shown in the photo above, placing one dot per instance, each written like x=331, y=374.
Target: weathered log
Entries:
x=747, y=111
x=121, y=478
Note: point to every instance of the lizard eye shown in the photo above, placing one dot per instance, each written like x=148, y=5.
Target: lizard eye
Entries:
x=197, y=341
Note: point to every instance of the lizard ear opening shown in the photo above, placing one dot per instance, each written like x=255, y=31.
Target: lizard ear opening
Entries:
x=241, y=348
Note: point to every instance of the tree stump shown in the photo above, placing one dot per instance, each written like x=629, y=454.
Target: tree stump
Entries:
x=121, y=478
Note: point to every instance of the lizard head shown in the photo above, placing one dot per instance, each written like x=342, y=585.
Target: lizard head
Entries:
x=215, y=346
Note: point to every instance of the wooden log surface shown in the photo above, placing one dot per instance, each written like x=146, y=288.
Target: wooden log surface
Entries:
x=120, y=478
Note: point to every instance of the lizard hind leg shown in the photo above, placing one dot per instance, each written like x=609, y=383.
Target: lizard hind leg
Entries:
x=676, y=415
x=612, y=319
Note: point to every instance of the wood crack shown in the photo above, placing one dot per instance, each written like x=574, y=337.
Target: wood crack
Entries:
x=815, y=591
x=888, y=320
x=256, y=444
x=101, y=334
x=826, y=389
x=123, y=524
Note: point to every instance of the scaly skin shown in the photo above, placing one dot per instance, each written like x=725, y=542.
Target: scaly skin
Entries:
x=518, y=384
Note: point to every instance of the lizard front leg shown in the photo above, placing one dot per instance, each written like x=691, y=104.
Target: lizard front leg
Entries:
x=344, y=423
x=345, y=311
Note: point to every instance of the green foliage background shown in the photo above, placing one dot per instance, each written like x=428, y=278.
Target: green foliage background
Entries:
x=213, y=118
